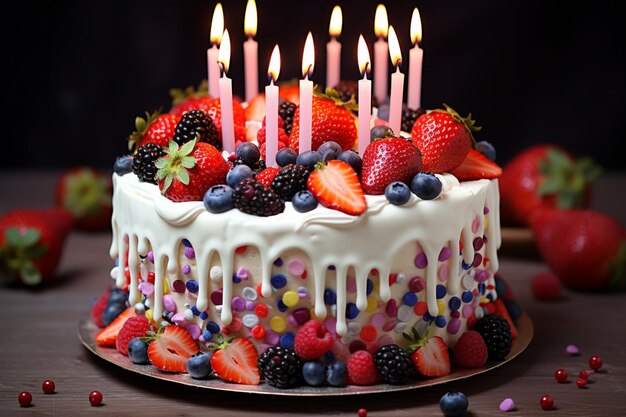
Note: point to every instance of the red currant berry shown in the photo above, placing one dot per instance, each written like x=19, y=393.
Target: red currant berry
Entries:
x=95, y=398
x=581, y=382
x=47, y=386
x=584, y=374
x=25, y=399
x=546, y=402
x=595, y=362
x=362, y=412
x=561, y=375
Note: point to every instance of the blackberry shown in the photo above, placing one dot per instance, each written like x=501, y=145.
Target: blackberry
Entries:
x=281, y=367
x=497, y=335
x=196, y=123
x=251, y=197
x=143, y=162
x=286, y=111
x=394, y=364
x=409, y=116
x=289, y=180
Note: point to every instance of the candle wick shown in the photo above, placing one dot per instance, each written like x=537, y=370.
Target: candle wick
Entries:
x=222, y=68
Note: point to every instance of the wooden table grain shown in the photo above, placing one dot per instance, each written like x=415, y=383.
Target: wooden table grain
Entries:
x=38, y=341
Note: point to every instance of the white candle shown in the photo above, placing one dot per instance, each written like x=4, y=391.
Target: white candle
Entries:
x=226, y=96
x=397, y=84
x=306, y=95
x=250, y=52
x=333, y=49
x=365, y=97
x=271, y=110
x=381, y=27
x=213, y=69
x=416, y=57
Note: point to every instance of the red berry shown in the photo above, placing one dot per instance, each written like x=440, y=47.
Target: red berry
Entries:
x=581, y=382
x=95, y=398
x=584, y=374
x=546, y=402
x=362, y=369
x=362, y=412
x=470, y=351
x=47, y=386
x=312, y=340
x=595, y=362
x=25, y=399
x=561, y=375
x=546, y=286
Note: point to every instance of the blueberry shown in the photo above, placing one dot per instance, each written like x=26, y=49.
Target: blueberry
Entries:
x=313, y=373
x=486, y=149
x=123, y=165
x=380, y=132
x=286, y=156
x=199, y=365
x=309, y=159
x=353, y=159
x=117, y=297
x=248, y=152
x=383, y=112
x=138, y=351
x=238, y=173
x=219, y=198
x=111, y=312
x=336, y=374
x=453, y=404
x=513, y=308
x=426, y=186
x=303, y=201
x=329, y=150
x=397, y=193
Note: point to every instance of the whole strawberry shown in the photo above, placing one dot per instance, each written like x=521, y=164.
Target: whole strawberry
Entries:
x=444, y=138
x=544, y=176
x=31, y=244
x=387, y=160
x=584, y=248
x=186, y=173
x=155, y=128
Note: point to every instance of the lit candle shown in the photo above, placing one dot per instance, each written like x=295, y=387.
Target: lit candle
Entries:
x=226, y=96
x=250, y=52
x=217, y=28
x=381, y=27
x=397, y=84
x=365, y=96
x=271, y=109
x=306, y=95
x=333, y=49
x=416, y=57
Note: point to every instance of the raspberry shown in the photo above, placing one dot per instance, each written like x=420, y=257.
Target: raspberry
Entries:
x=470, y=350
x=266, y=176
x=98, y=309
x=312, y=340
x=137, y=326
x=546, y=287
x=362, y=369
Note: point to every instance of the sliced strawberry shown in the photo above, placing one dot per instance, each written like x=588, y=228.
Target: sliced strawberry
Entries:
x=336, y=186
x=98, y=309
x=236, y=361
x=108, y=335
x=476, y=166
x=171, y=349
x=432, y=359
x=137, y=326
x=266, y=176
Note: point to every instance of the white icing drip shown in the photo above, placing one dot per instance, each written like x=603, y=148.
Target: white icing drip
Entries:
x=133, y=261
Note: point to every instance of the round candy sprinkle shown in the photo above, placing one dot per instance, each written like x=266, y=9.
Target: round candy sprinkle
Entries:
x=581, y=382
x=189, y=253
x=330, y=296
x=95, y=398
x=440, y=321
x=546, y=402
x=278, y=281
x=377, y=320
x=561, y=375
x=352, y=311
x=250, y=320
x=454, y=325
x=215, y=273
x=272, y=338
x=243, y=272
x=216, y=297
x=444, y=254
x=362, y=412
x=192, y=286
x=261, y=310
x=278, y=324
x=572, y=350
x=258, y=332
x=441, y=291
x=409, y=299
x=417, y=284
x=249, y=293
x=287, y=339
x=595, y=362
x=186, y=269
x=302, y=315
x=238, y=303
x=290, y=298
x=296, y=267
x=507, y=405
x=404, y=313
x=178, y=286
x=25, y=399
x=421, y=261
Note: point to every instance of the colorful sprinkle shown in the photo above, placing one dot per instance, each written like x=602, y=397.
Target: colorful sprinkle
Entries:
x=441, y=306
x=377, y=320
x=151, y=256
x=278, y=281
x=455, y=314
x=290, y=298
x=417, y=284
x=203, y=315
x=420, y=308
x=391, y=308
x=260, y=310
x=249, y=293
x=475, y=224
x=352, y=311
x=410, y=299
x=454, y=325
x=258, y=332
x=281, y=306
x=146, y=288
x=421, y=261
x=186, y=269
x=454, y=303
x=372, y=304
x=272, y=338
x=507, y=404
x=178, y=286
x=190, y=253
x=478, y=258
x=213, y=327
x=243, y=272
x=287, y=339
x=216, y=297
x=194, y=330
x=441, y=291
x=250, y=320
x=351, y=285
x=296, y=267
x=368, y=333
x=238, y=304
x=404, y=313
x=302, y=315
x=278, y=262
x=215, y=273
x=192, y=286
x=444, y=254
x=354, y=328
x=241, y=250
x=369, y=286
x=330, y=296
x=440, y=321
x=478, y=243
x=481, y=275
x=572, y=350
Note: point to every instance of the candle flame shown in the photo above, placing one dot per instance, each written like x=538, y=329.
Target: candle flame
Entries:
x=381, y=23
x=394, y=47
x=416, y=27
x=217, y=24
x=308, y=56
x=273, y=70
x=363, y=54
x=250, y=19
x=223, y=56
x=336, y=20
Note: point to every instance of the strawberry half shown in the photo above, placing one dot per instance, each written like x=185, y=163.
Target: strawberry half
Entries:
x=108, y=335
x=476, y=166
x=387, y=160
x=236, y=361
x=336, y=186
x=430, y=357
x=171, y=349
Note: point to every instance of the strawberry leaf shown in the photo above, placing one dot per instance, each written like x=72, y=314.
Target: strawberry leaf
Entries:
x=30, y=274
x=176, y=164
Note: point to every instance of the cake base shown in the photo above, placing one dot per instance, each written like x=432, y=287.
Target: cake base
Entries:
x=87, y=333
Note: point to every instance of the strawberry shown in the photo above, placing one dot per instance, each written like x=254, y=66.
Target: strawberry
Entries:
x=387, y=160
x=98, y=308
x=470, y=350
x=136, y=326
x=171, y=348
x=235, y=360
x=545, y=286
x=362, y=368
x=31, y=244
x=187, y=172
x=255, y=110
x=444, y=138
x=476, y=166
x=430, y=354
x=86, y=193
x=336, y=186
x=266, y=176
x=331, y=120
x=584, y=248
x=155, y=128
x=502, y=311
x=544, y=176
x=290, y=92
x=312, y=340
x=107, y=336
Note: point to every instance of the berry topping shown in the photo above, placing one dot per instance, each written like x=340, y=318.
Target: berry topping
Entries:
x=238, y=173
x=487, y=149
x=289, y=180
x=314, y=373
x=496, y=333
x=336, y=186
x=144, y=162
x=235, y=360
x=123, y=165
x=286, y=111
x=98, y=308
x=309, y=159
x=426, y=186
x=251, y=197
x=394, y=364
x=195, y=124
x=430, y=355
x=353, y=159
x=329, y=150
x=266, y=176
x=336, y=374
x=470, y=350
x=476, y=166
x=304, y=201
x=25, y=399
x=581, y=382
x=362, y=368
x=595, y=362
x=387, y=160
x=312, y=340
x=137, y=326
x=108, y=335
x=138, y=351
x=155, y=128
x=380, y=131
x=95, y=398
x=248, y=153
x=453, y=404
x=219, y=198
x=48, y=386
x=560, y=375
x=286, y=156
x=397, y=193
x=281, y=367
x=171, y=348
x=199, y=365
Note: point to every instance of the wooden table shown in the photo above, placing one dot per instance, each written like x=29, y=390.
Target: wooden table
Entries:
x=38, y=341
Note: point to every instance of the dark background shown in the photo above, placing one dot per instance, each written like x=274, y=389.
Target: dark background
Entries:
x=530, y=72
